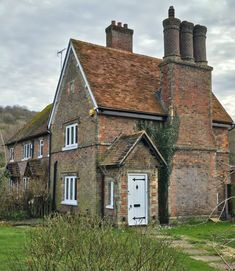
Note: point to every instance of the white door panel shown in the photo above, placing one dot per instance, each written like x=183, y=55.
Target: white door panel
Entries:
x=137, y=199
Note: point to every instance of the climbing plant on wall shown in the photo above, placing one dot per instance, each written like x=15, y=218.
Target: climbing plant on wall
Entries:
x=164, y=136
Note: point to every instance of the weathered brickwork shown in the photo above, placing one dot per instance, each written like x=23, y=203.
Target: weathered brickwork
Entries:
x=74, y=107
x=134, y=164
x=19, y=153
x=232, y=146
x=200, y=164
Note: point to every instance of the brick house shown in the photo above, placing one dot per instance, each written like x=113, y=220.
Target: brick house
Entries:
x=28, y=152
x=101, y=163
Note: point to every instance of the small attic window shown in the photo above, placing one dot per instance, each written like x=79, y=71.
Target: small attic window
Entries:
x=71, y=87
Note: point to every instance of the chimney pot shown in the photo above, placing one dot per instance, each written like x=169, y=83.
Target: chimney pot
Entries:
x=186, y=40
x=171, y=12
x=125, y=25
x=119, y=24
x=113, y=22
x=171, y=31
x=199, y=43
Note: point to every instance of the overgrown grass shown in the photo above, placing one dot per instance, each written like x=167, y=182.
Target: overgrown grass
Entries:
x=12, y=240
x=23, y=247
x=222, y=232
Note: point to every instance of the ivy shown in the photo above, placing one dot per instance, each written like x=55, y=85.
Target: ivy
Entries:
x=164, y=136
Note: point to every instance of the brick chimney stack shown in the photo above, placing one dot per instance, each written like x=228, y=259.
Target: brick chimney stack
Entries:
x=119, y=37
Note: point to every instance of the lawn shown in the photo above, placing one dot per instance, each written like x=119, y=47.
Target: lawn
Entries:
x=12, y=240
x=221, y=232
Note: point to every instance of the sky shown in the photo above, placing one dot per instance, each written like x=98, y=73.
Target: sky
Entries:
x=33, y=31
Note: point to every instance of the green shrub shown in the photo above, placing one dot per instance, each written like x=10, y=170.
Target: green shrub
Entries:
x=83, y=243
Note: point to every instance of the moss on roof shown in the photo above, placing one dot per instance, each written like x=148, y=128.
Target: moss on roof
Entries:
x=35, y=127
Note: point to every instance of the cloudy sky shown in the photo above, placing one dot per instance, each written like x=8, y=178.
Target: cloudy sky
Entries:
x=32, y=32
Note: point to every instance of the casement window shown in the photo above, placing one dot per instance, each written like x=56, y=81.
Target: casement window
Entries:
x=11, y=150
x=26, y=183
x=27, y=151
x=110, y=194
x=70, y=190
x=71, y=137
x=41, y=144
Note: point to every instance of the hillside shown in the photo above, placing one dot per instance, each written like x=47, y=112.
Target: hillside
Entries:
x=12, y=118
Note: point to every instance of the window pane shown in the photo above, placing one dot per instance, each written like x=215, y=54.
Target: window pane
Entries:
x=75, y=188
x=109, y=193
x=66, y=188
x=67, y=135
x=72, y=135
x=71, y=188
x=76, y=134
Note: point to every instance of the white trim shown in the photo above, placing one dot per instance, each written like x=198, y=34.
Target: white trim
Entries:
x=70, y=147
x=40, y=147
x=69, y=202
x=70, y=194
x=111, y=191
x=71, y=137
x=58, y=89
x=84, y=77
x=221, y=125
x=146, y=193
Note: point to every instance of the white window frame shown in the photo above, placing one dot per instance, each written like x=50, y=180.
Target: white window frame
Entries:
x=71, y=137
x=27, y=150
x=41, y=145
x=110, y=194
x=70, y=190
x=25, y=183
x=11, y=151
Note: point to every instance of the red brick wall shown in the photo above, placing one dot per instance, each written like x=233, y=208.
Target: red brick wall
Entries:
x=202, y=151
x=147, y=164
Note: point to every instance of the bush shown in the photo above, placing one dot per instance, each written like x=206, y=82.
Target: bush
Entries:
x=83, y=243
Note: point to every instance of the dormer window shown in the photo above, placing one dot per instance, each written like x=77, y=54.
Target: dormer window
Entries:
x=27, y=151
x=71, y=140
x=11, y=154
x=41, y=144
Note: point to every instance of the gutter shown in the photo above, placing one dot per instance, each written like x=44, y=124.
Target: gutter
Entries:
x=130, y=114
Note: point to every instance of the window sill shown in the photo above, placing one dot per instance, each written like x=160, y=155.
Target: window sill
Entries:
x=70, y=147
x=25, y=159
x=40, y=156
x=11, y=161
x=71, y=202
x=109, y=207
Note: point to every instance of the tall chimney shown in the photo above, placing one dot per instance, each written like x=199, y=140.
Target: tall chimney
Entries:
x=171, y=27
x=186, y=40
x=119, y=37
x=199, y=43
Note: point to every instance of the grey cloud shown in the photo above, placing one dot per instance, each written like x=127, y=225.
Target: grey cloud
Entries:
x=33, y=31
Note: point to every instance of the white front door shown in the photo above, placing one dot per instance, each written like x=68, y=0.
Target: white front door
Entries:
x=137, y=199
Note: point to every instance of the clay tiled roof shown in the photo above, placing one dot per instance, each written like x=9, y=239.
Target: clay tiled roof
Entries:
x=126, y=81
x=122, y=147
x=36, y=126
x=35, y=168
x=120, y=79
x=13, y=169
x=219, y=114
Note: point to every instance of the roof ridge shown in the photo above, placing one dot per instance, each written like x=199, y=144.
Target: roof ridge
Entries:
x=115, y=49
